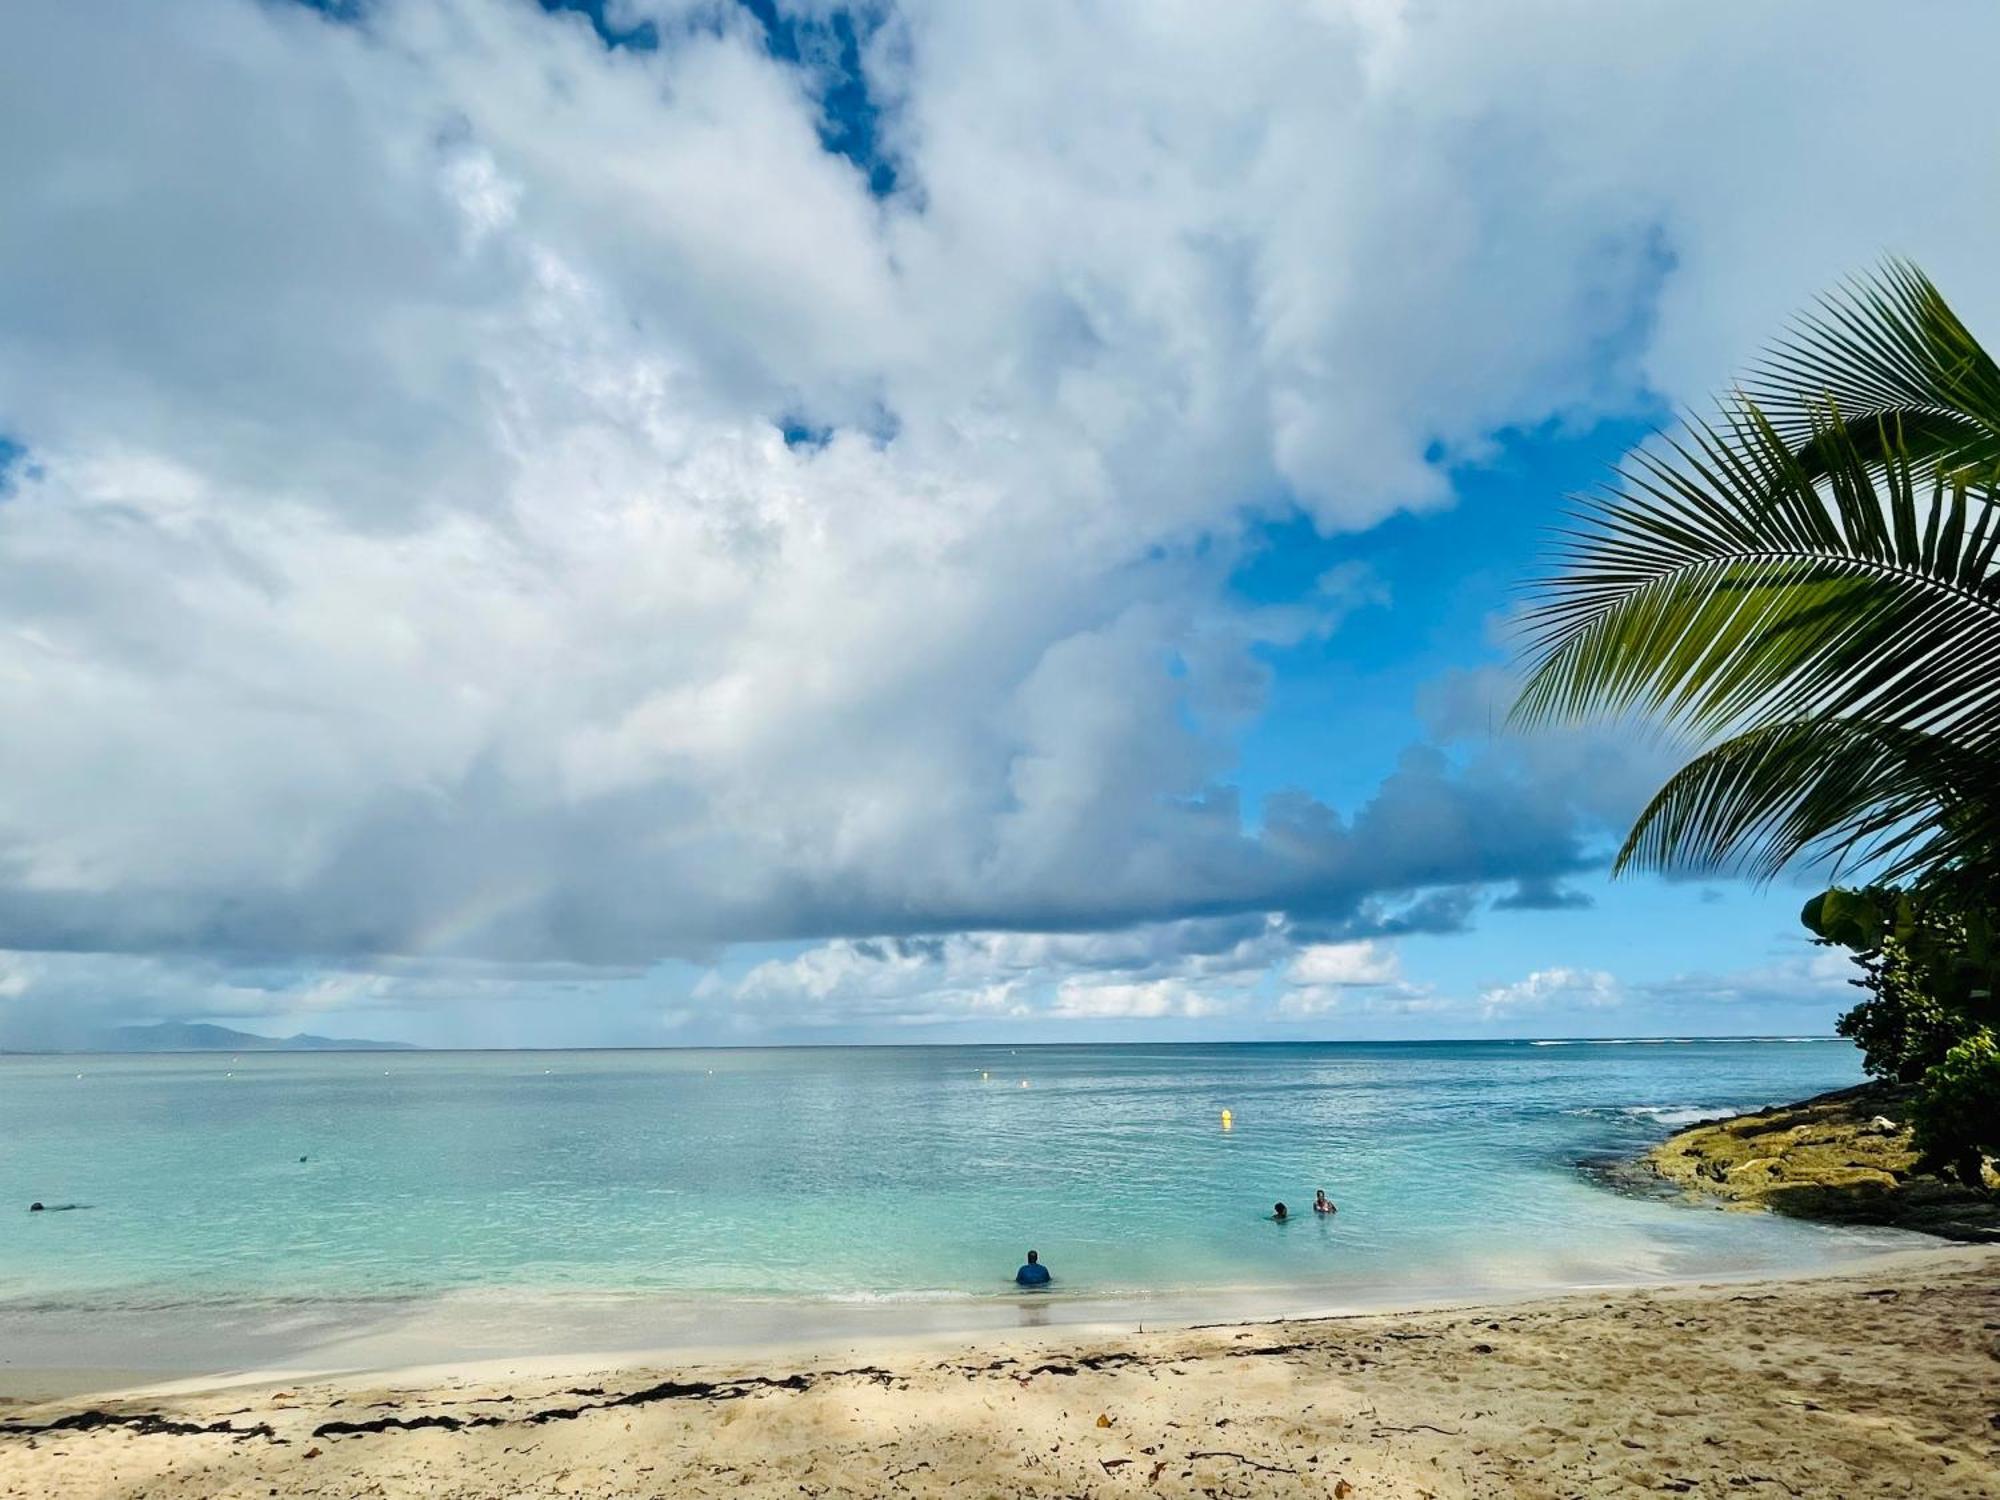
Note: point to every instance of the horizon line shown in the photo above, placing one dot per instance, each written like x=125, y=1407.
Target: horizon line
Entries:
x=379, y=1050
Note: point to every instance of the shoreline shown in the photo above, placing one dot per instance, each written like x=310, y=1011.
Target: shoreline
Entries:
x=1816, y=1382
x=52, y=1349
x=418, y=1336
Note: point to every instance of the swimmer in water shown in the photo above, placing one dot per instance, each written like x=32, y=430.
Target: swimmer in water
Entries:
x=1323, y=1204
x=1034, y=1273
x=1278, y=1213
x=38, y=1207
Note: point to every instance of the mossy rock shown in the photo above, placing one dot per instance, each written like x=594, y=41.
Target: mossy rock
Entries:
x=1845, y=1157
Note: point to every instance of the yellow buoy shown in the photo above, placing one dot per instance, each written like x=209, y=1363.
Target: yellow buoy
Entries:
x=1228, y=1120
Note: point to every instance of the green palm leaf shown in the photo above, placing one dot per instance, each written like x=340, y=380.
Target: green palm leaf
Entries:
x=1887, y=354
x=1810, y=580
x=1839, y=789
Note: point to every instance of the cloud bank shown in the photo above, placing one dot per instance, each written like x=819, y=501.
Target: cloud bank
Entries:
x=477, y=493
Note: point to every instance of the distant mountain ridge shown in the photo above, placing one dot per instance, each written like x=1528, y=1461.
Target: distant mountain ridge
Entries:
x=200, y=1036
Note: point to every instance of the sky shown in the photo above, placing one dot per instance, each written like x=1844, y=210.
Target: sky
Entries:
x=674, y=522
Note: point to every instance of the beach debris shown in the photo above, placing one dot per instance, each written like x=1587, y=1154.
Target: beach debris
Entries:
x=1426, y=1427
x=666, y=1390
x=145, y=1424
x=1103, y=1420
x=1342, y=1489
x=311, y=1453
x=1241, y=1458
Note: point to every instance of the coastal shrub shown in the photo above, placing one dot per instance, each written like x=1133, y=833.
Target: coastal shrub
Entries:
x=1928, y=961
x=1957, y=1111
x=1903, y=1030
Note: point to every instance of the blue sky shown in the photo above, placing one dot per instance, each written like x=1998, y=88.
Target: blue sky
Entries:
x=676, y=521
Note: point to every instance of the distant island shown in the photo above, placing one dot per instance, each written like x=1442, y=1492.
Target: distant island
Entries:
x=199, y=1036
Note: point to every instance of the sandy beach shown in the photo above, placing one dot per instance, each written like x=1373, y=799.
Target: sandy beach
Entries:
x=1880, y=1382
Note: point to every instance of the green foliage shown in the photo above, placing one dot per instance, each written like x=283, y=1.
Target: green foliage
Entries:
x=1808, y=583
x=1901, y=1028
x=1957, y=1111
x=1923, y=951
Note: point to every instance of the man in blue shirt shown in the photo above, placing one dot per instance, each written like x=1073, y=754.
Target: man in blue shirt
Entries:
x=1034, y=1273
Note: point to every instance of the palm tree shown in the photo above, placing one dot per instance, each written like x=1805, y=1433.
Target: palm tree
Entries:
x=1806, y=586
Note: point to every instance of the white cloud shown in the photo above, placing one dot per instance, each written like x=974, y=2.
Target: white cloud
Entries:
x=1555, y=988
x=1187, y=969
x=1323, y=977
x=1151, y=1000
x=1362, y=963
x=416, y=566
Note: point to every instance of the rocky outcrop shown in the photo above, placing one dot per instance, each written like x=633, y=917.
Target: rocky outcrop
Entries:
x=1846, y=1157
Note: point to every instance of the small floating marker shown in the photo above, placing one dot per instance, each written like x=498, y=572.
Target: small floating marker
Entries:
x=983, y=1077
x=1228, y=1120
x=1024, y=1083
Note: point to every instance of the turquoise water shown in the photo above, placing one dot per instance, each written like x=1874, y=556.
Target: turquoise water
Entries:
x=825, y=1175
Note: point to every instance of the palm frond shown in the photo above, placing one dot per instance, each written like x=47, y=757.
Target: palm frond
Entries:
x=1886, y=353
x=1840, y=789
x=1810, y=578
x=1722, y=587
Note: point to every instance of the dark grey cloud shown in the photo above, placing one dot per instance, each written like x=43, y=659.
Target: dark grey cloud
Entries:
x=1543, y=895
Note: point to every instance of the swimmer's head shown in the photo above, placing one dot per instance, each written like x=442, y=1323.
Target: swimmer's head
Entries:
x=1034, y=1256
x=35, y=1208
x=1278, y=1209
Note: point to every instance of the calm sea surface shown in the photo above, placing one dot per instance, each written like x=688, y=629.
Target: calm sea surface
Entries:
x=829, y=1175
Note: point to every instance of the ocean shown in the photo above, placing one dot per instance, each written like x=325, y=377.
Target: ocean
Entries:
x=771, y=1187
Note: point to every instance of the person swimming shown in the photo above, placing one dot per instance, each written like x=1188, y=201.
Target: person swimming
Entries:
x=1034, y=1273
x=1278, y=1213
x=1323, y=1204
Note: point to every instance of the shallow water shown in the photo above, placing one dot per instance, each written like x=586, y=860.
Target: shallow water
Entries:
x=901, y=1175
